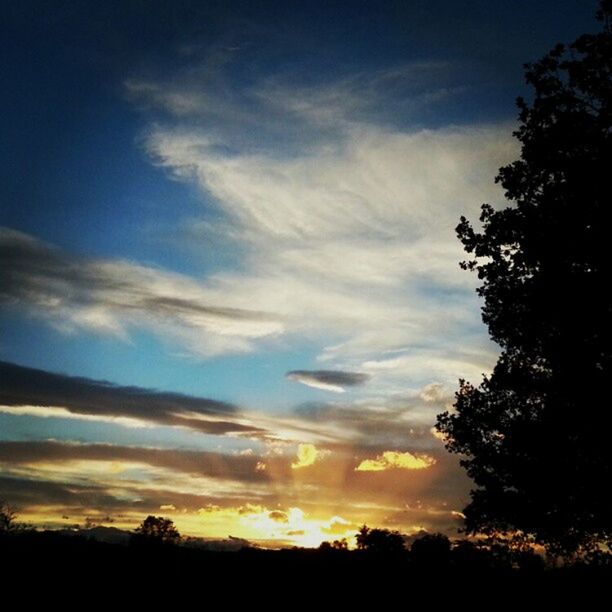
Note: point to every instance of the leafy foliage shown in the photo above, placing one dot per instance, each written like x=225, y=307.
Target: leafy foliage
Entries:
x=535, y=433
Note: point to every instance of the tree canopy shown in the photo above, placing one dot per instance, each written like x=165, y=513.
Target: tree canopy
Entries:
x=534, y=434
x=431, y=549
x=379, y=540
x=158, y=529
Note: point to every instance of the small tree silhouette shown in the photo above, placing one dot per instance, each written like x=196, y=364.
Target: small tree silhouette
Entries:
x=340, y=544
x=8, y=518
x=157, y=529
x=335, y=546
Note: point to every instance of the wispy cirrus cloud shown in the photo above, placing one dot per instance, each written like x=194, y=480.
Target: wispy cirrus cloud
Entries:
x=352, y=245
x=343, y=210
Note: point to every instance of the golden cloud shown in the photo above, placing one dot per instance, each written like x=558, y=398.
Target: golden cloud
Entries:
x=393, y=459
x=278, y=516
x=307, y=454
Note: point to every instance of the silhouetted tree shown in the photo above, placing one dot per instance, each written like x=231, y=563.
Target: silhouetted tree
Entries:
x=340, y=544
x=431, y=549
x=362, y=536
x=8, y=518
x=535, y=435
x=379, y=540
x=157, y=529
x=336, y=545
x=468, y=555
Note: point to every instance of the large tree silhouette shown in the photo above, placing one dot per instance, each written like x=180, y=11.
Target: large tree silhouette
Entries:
x=535, y=435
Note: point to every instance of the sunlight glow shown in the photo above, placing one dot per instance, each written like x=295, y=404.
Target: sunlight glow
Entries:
x=290, y=527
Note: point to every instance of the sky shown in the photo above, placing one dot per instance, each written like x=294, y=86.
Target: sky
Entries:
x=230, y=288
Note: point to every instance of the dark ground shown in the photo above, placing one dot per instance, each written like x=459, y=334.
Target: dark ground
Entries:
x=66, y=569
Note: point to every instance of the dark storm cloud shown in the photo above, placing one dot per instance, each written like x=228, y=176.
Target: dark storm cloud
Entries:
x=331, y=380
x=20, y=386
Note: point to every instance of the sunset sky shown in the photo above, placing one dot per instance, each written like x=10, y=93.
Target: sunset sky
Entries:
x=230, y=290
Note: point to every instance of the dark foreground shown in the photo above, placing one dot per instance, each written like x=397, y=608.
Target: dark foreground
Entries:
x=57, y=565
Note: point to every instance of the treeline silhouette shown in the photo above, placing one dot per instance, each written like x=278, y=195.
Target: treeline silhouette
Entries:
x=154, y=563
x=379, y=551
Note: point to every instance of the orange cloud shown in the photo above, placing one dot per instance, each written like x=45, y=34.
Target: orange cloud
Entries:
x=393, y=459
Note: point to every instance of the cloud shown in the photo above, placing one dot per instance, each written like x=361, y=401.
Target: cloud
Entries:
x=37, y=393
x=328, y=380
x=351, y=243
x=30, y=391
x=279, y=516
x=435, y=393
x=340, y=526
x=112, y=296
x=381, y=420
x=342, y=207
x=307, y=454
x=213, y=465
x=393, y=459
x=343, y=237
x=130, y=482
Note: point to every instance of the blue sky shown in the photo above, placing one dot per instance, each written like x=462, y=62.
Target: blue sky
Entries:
x=204, y=197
